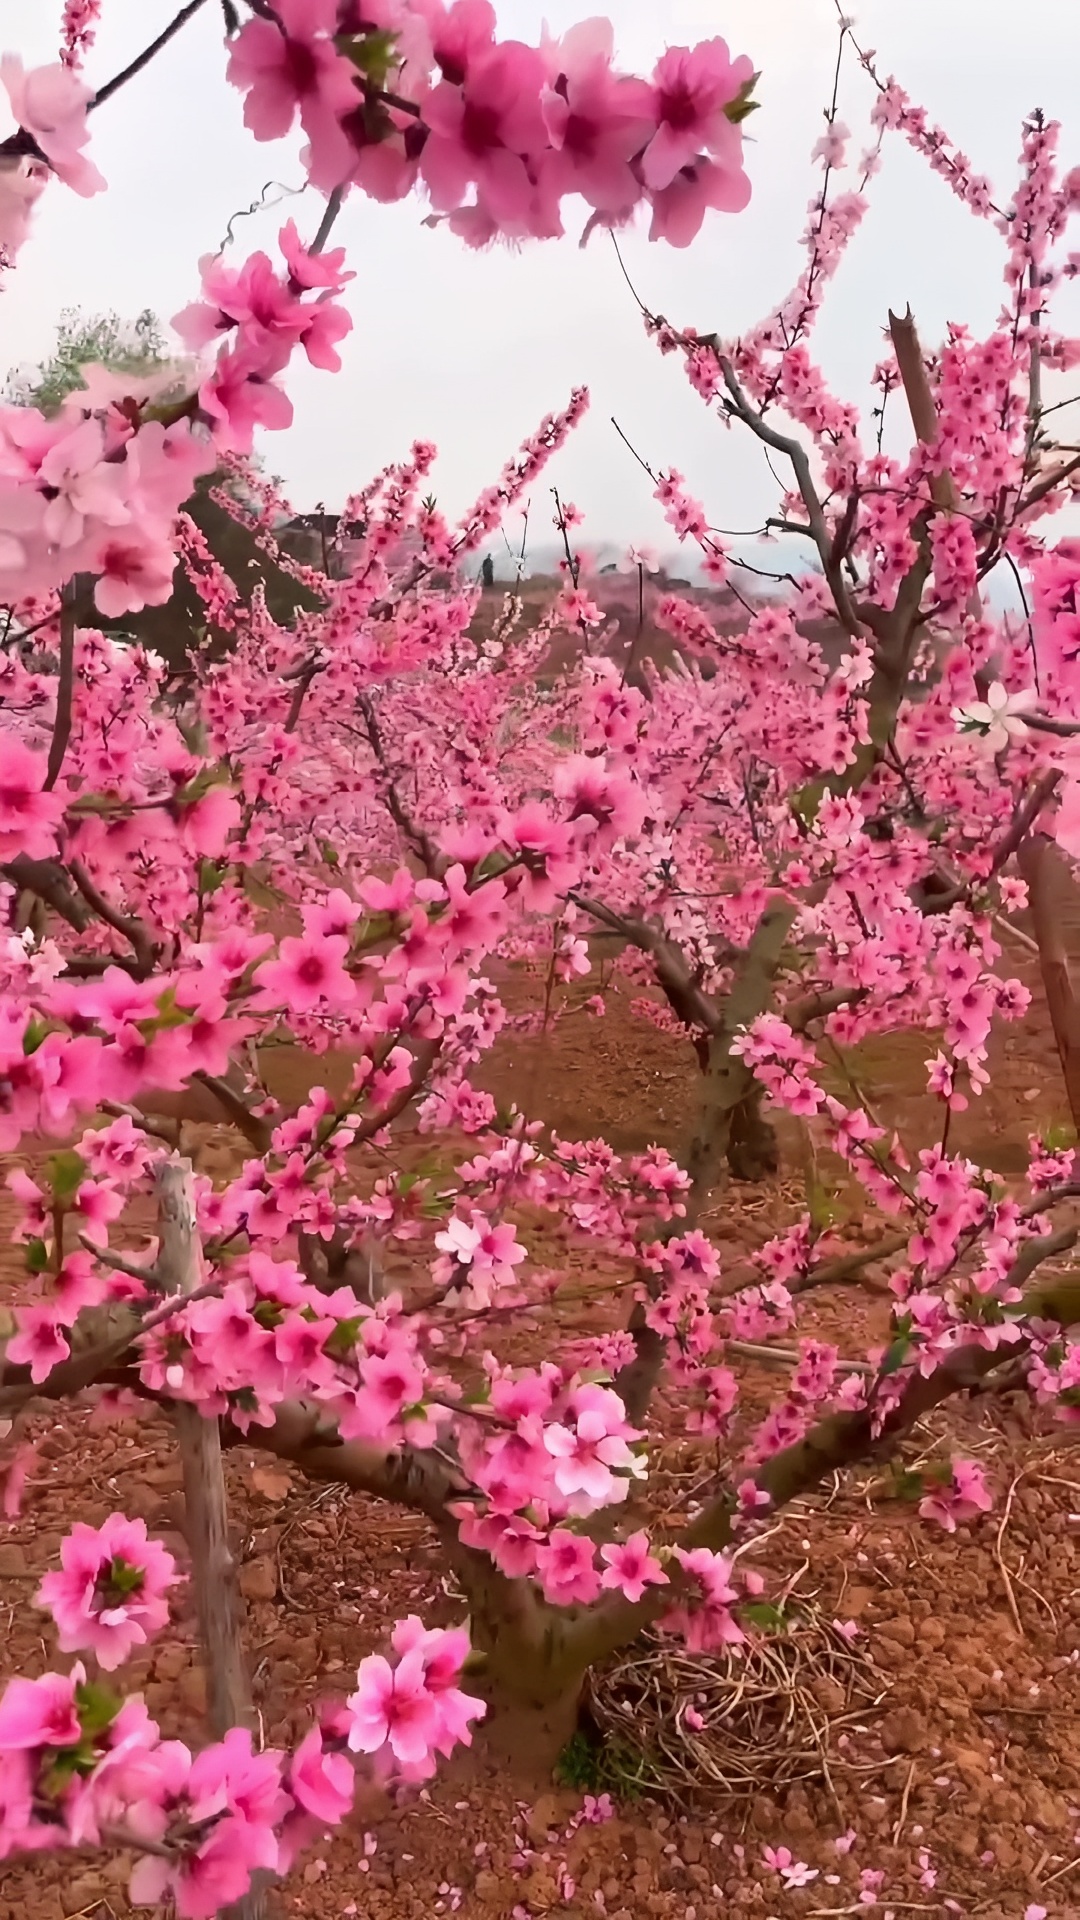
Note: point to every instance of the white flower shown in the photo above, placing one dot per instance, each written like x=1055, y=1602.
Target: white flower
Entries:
x=997, y=719
x=856, y=667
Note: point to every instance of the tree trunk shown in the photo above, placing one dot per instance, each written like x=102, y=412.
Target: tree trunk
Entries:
x=531, y=1682
x=753, y=1149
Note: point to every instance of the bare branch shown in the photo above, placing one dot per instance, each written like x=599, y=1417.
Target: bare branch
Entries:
x=819, y=529
x=233, y=1104
x=688, y=999
x=49, y=882
x=135, y=932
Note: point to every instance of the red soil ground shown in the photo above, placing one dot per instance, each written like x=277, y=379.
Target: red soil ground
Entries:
x=974, y=1754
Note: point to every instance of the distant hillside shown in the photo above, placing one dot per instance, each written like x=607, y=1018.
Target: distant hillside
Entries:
x=617, y=596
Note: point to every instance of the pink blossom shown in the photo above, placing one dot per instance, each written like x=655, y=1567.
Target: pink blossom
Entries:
x=297, y=70
x=22, y=183
x=38, y=1342
x=39, y=1713
x=28, y=815
x=394, y=1706
x=590, y=1460
x=692, y=88
x=110, y=1595
x=323, y=1783
x=481, y=128
x=631, y=1567
x=959, y=1500
x=207, y=1876
x=566, y=1570
x=308, y=972
x=49, y=103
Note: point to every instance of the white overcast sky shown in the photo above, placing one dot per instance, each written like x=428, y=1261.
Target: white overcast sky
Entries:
x=471, y=349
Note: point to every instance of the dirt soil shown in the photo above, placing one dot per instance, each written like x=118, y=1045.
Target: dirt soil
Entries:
x=959, y=1794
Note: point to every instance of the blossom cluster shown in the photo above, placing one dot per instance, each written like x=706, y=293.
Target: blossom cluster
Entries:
x=79, y=1765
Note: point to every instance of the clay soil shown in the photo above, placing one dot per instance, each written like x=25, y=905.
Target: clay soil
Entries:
x=961, y=1789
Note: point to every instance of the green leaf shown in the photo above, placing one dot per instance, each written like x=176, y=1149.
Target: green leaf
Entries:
x=373, y=928
x=123, y=1577
x=493, y=864
x=37, y=1257
x=96, y=1706
x=902, y=1345
x=211, y=876
x=743, y=105
x=193, y=734
x=65, y=1172
x=907, y=1484
x=342, y=1341
x=200, y=785
x=805, y=803
x=98, y=803
x=374, y=55
x=819, y=1204
x=34, y=1033
x=258, y=892
x=267, y=1314
x=329, y=853
x=896, y=1356
x=764, y=1615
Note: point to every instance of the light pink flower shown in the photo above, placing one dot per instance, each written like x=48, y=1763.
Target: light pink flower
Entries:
x=40, y=1713
x=50, y=104
x=394, y=1706
x=323, y=1783
x=631, y=1567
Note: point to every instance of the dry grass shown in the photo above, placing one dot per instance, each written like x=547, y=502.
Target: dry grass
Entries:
x=770, y=1711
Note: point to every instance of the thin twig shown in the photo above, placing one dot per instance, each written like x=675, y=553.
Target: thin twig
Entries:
x=144, y=58
x=905, y=1797
x=333, y=208
x=1006, y=1577
x=65, y=686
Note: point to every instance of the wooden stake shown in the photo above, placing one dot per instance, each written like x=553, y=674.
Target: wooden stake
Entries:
x=212, y=1565
x=1050, y=885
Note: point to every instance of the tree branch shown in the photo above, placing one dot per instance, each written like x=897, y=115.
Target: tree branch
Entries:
x=144, y=58
x=422, y=844
x=49, y=882
x=253, y=1128
x=135, y=932
x=301, y=1433
x=819, y=529
x=1024, y=819
x=694, y=1007
x=728, y=1080
x=65, y=686
x=841, y=1440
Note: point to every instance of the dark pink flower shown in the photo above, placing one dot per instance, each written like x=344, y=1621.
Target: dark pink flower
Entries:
x=480, y=130
x=692, y=88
